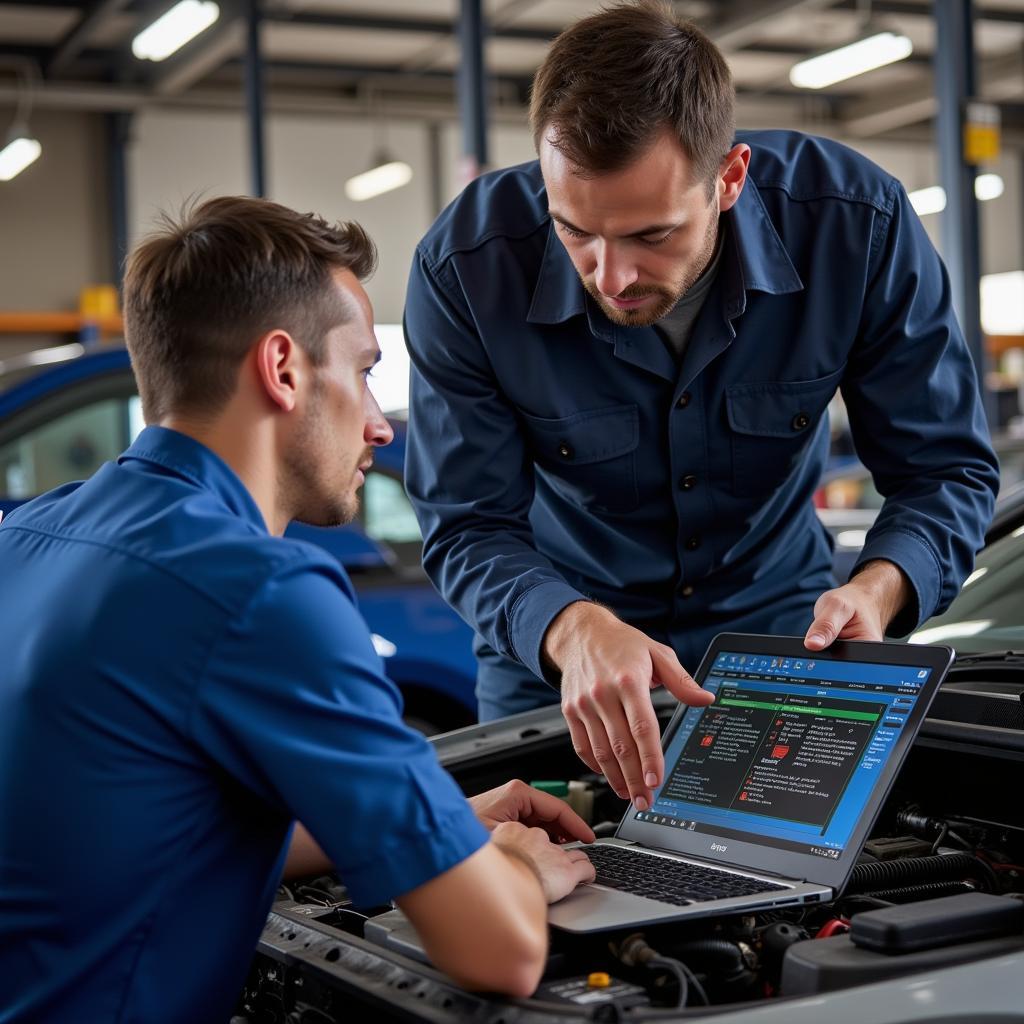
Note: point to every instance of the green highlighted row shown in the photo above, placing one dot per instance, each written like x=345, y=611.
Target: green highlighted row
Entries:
x=857, y=716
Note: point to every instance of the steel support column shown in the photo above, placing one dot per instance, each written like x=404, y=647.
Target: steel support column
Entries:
x=119, y=127
x=955, y=84
x=472, y=89
x=254, y=98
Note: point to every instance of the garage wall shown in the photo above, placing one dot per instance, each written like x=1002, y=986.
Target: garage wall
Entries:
x=54, y=222
x=309, y=159
x=54, y=217
x=177, y=155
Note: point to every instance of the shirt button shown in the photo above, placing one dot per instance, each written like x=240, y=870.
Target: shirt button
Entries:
x=688, y=482
x=693, y=543
x=565, y=449
x=683, y=400
x=801, y=421
x=687, y=591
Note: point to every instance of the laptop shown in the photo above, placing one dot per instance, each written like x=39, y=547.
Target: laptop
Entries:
x=770, y=792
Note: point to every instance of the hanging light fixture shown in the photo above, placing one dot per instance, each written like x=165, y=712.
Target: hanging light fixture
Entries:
x=932, y=199
x=174, y=28
x=20, y=151
x=873, y=47
x=385, y=174
x=866, y=54
x=21, y=148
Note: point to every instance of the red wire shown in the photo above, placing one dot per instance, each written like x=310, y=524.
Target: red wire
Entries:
x=837, y=926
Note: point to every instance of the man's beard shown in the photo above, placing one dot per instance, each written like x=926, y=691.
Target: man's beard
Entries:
x=666, y=297
x=304, y=486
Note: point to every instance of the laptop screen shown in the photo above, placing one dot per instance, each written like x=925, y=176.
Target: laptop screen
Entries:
x=790, y=752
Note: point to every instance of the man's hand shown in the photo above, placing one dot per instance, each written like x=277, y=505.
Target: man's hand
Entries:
x=558, y=871
x=608, y=670
x=516, y=801
x=861, y=609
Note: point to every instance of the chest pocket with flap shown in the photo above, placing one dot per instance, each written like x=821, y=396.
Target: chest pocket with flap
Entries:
x=590, y=457
x=771, y=424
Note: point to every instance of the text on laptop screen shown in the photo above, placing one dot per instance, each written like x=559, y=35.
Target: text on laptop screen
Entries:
x=789, y=752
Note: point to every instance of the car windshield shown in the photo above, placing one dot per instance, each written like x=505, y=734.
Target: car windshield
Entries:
x=989, y=613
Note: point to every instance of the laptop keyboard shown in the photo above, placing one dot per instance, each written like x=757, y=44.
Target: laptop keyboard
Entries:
x=670, y=881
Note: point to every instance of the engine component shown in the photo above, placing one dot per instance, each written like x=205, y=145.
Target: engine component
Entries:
x=811, y=968
x=594, y=989
x=891, y=874
x=935, y=923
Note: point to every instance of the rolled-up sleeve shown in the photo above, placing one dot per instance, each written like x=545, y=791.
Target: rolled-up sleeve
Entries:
x=917, y=419
x=470, y=477
x=294, y=704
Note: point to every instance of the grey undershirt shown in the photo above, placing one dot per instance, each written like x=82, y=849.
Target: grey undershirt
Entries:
x=676, y=326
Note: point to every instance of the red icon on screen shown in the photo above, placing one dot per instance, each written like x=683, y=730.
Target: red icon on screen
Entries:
x=779, y=751
x=706, y=741
x=743, y=795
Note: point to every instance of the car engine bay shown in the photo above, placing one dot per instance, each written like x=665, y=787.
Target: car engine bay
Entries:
x=938, y=888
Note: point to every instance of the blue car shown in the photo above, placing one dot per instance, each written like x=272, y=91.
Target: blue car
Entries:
x=61, y=424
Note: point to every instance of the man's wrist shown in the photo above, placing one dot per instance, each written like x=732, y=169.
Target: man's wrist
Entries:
x=887, y=584
x=565, y=628
x=512, y=850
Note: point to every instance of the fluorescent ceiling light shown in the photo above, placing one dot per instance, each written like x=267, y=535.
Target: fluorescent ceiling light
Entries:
x=1002, y=303
x=382, y=178
x=17, y=155
x=988, y=186
x=171, y=31
x=848, y=61
x=928, y=200
x=933, y=199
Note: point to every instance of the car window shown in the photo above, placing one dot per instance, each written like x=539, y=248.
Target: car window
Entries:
x=387, y=516
x=989, y=613
x=70, y=446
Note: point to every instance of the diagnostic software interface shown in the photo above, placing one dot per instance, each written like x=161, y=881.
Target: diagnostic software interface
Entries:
x=790, y=751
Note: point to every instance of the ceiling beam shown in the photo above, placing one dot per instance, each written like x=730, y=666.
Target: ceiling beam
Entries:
x=998, y=78
x=414, y=26
x=742, y=22
x=93, y=18
x=907, y=8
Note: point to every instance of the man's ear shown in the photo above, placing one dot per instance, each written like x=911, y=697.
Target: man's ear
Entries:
x=732, y=176
x=279, y=365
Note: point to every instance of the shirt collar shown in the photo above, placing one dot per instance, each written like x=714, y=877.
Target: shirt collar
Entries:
x=189, y=459
x=756, y=261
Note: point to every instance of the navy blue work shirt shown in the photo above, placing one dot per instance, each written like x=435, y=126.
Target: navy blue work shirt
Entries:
x=554, y=455
x=178, y=685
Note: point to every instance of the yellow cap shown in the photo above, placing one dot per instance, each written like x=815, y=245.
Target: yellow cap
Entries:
x=598, y=979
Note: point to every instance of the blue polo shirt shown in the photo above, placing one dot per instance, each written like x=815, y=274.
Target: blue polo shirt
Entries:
x=554, y=455
x=177, y=687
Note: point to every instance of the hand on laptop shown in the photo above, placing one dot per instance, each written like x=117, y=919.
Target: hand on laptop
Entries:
x=608, y=670
x=516, y=801
x=558, y=871
x=861, y=609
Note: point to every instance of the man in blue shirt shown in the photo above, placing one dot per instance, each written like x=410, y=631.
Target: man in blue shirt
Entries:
x=622, y=358
x=180, y=683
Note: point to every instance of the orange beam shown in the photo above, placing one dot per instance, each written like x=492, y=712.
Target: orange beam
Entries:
x=997, y=344
x=55, y=323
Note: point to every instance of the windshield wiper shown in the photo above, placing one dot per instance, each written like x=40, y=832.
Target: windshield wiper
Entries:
x=990, y=658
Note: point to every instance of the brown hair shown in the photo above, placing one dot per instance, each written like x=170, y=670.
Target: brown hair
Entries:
x=199, y=292
x=615, y=79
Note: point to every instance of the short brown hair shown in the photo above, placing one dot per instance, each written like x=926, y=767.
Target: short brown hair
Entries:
x=614, y=80
x=201, y=290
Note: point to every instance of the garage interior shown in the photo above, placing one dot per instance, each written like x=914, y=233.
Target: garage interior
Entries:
x=383, y=112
